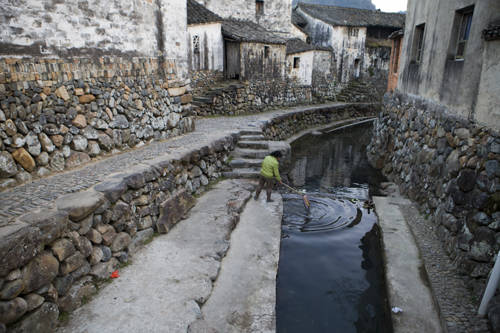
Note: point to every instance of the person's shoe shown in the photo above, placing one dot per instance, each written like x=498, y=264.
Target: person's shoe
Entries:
x=256, y=198
x=270, y=200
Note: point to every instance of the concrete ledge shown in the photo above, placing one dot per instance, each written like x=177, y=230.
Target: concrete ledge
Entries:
x=406, y=277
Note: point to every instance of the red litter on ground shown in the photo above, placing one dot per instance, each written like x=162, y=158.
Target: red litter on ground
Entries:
x=115, y=275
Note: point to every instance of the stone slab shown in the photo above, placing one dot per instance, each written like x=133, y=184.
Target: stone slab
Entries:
x=408, y=288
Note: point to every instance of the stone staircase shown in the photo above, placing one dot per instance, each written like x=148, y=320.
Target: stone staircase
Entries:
x=247, y=158
x=357, y=91
x=203, y=100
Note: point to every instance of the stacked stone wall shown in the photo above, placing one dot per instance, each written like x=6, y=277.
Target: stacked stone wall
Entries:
x=450, y=167
x=286, y=125
x=262, y=95
x=52, y=260
x=56, y=114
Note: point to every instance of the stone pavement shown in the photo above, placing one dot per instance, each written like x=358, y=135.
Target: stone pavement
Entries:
x=165, y=287
x=41, y=192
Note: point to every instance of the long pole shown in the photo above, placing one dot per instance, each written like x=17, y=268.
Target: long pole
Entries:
x=491, y=287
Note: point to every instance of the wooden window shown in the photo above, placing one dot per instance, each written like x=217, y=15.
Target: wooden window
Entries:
x=267, y=51
x=259, y=7
x=418, y=43
x=464, y=21
x=196, y=44
x=296, y=62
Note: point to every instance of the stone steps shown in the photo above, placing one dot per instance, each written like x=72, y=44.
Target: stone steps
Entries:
x=252, y=138
x=250, y=132
x=253, y=144
x=245, y=163
x=250, y=153
x=246, y=173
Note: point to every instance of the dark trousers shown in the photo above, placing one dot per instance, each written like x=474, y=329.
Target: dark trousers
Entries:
x=268, y=183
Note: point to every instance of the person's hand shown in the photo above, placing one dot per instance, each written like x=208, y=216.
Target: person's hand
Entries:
x=281, y=182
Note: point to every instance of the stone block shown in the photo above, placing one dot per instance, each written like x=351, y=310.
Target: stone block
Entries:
x=120, y=242
x=12, y=310
x=84, y=288
x=34, y=301
x=61, y=92
x=63, y=248
x=173, y=92
x=94, y=236
x=85, y=99
x=40, y=271
x=112, y=188
x=43, y=320
x=12, y=289
x=8, y=166
x=80, y=205
x=139, y=239
x=173, y=209
x=104, y=269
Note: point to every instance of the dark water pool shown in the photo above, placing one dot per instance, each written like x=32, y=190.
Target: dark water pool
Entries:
x=330, y=275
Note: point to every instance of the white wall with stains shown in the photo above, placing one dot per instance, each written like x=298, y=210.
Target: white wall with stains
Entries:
x=303, y=72
x=211, y=47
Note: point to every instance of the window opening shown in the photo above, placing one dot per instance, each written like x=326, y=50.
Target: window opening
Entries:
x=464, y=21
x=259, y=7
x=418, y=43
x=266, y=51
x=296, y=62
x=196, y=44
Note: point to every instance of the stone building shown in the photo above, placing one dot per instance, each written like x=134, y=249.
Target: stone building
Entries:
x=78, y=81
x=308, y=64
x=358, y=37
x=438, y=135
x=252, y=52
x=272, y=15
x=397, y=47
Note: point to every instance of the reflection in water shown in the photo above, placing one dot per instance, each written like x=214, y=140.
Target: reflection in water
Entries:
x=330, y=272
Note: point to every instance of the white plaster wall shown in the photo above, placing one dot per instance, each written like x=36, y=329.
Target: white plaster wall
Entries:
x=175, y=34
x=488, y=99
x=347, y=49
x=303, y=74
x=211, y=46
x=296, y=32
x=122, y=25
x=277, y=13
x=432, y=79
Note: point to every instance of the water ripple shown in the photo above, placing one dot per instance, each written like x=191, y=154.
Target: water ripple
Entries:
x=326, y=213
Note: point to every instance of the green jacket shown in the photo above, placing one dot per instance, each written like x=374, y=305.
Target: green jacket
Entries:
x=270, y=168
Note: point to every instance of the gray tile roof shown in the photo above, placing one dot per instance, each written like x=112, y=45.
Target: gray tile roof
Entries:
x=199, y=14
x=296, y=45
x=342, y=16
x=396, y=34
x=246, y=31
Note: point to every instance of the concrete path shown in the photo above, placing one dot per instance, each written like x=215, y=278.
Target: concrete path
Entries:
x=244, y=296
x=407, y=285
x=170, y=278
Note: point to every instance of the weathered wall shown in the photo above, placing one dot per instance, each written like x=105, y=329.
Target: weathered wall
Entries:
x=277, y=13
x=211, y=47
x=451, y=168
x=255, y=64
x=439, y=77
x=296, y=32
x=488, y=98
x=325, y=85
x=82, y=81
x=302, y=74
x=52, y=260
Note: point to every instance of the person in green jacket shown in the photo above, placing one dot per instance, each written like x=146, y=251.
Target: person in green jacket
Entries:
x=269, y=172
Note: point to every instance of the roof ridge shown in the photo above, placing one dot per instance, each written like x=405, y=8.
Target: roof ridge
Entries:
x=346, y=8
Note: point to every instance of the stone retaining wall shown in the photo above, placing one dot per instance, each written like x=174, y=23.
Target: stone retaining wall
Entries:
x=284, y=126
x=451, y=168
x=261, y=95
x=58, y=113
x=52, y=258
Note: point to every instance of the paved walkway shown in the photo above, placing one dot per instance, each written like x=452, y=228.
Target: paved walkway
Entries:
x=169, y=286
x=41, y=192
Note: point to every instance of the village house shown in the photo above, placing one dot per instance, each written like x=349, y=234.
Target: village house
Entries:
x=308, y=64
x=358, y=37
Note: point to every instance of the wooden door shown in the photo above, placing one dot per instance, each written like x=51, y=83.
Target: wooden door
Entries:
x=232, y=60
